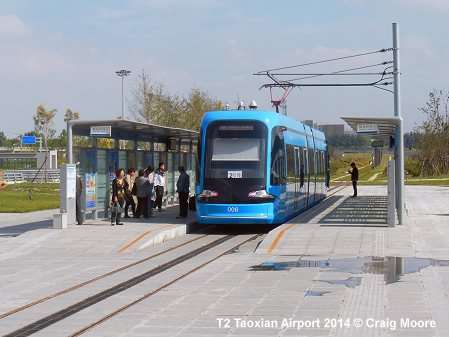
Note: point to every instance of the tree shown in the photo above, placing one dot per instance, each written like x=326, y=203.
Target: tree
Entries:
x=434, y=139
x=195, y=106
x=153, y=104
x=44, y=122
x=146, y=96
x=3, y=139
x=70, y=115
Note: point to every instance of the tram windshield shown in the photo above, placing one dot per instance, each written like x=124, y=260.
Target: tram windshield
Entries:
x=235, y=158
x=236, y=150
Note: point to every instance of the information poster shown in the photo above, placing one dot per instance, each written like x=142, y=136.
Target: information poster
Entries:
x=71, y=181
x=91, y=195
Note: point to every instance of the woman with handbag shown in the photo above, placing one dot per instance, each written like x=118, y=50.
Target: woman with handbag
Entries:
x=119, y=187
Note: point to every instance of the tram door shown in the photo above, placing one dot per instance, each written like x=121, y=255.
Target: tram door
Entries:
x=297, y=179
x=312, y=177
x=306, y=175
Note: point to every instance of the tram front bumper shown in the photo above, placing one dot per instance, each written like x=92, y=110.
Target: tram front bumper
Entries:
x=235, y=213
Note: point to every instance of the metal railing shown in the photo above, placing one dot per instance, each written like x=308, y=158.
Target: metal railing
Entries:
x=17, y=176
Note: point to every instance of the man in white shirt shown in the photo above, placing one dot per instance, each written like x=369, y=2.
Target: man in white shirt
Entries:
x=159, y=185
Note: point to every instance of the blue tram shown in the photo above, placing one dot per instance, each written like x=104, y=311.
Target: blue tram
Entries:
x=258, y=167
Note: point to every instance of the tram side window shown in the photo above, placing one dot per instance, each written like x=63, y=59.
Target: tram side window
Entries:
x=277, y=171
x=312, y=163
x=290, y=163
x=323, y=166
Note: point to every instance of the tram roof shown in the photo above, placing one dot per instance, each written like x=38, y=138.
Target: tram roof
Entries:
x=126, y=129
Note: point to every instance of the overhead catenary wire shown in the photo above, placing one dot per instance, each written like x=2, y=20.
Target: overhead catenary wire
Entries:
x=287, y=84
x=345, y=71
x=264, y=72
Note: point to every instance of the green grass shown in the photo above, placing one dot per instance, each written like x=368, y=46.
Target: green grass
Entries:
x=423, y=182
x=15, y=197
x=341, y=165
x=428, y=182
x=365, y=172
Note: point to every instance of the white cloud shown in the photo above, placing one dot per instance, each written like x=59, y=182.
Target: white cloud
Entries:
x=12, y=27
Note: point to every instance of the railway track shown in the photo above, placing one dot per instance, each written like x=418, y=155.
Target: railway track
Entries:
x=95, y=279
x=225, y=243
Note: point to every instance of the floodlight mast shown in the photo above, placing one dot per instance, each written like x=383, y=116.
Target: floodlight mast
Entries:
x=122, y=73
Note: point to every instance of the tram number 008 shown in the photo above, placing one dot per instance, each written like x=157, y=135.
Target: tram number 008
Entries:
x=233, y=209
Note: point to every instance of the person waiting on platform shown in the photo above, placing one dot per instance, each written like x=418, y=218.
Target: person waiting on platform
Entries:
x=79, y=191
x=159, y=184
x=119, y=187
x=354, y=178
x=143, y=188
x=130, y=179
x=150, y=176
x=183, y=187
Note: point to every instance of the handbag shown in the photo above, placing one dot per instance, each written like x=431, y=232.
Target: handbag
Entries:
x=134, y=189
x=116, y=208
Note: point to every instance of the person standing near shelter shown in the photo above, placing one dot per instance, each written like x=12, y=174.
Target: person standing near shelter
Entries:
x=79, y=190
x=354, y=178
x=119, y=187
x=130, y=179
x=150, y=176
x=143, y=191
x=183, y=186
x=159, y=184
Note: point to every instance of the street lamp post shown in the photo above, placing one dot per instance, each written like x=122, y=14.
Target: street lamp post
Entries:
x=122, y=73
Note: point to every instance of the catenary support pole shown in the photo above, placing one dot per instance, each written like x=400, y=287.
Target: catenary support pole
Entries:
x=400, y=135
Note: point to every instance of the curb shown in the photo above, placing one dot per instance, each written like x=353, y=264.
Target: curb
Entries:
x=170, y=234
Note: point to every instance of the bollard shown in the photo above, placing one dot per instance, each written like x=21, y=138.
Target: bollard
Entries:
x=60, y=221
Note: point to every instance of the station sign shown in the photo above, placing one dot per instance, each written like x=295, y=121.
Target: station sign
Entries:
x=100, y=131
x=31, y=140
x=367, y=129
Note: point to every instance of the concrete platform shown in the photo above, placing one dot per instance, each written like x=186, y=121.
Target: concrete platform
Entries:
x=362, y=279
x=134, y=234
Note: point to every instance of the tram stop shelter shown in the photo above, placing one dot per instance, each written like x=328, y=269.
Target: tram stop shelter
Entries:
x=100, y=147
x=388, y=128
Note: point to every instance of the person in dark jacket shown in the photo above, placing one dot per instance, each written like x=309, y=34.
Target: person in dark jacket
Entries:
x=143, y=187
x=79, y=191
x=150, y=176
x=119, y=187
x=354, y=178
x=183, y=187
x=128, y=195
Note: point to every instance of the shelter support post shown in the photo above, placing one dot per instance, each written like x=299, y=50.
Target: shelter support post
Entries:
x=391, y=193
x=69, y=143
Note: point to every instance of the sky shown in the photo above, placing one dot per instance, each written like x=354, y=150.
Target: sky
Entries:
x=64, y=54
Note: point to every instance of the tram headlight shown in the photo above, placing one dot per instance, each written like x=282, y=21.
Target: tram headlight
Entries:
x=261, y=194
x=208, y=194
